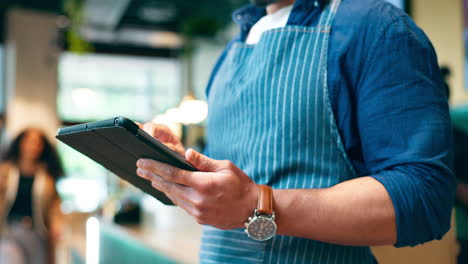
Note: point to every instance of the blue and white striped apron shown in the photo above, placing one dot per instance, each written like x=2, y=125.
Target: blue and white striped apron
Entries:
x=270, y=114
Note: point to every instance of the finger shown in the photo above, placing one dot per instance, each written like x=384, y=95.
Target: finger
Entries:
x=165, y=171
x=180, y=150
x=140, y=125
x=178, y=191
x=169, y=188
x=180, y=195
x=160, y=132
x=200, y=161
x=186, y=206
x=147, y=175
x=152, y=170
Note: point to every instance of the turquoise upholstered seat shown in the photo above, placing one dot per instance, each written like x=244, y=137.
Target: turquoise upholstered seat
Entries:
x=460, y=117
x=119, y=248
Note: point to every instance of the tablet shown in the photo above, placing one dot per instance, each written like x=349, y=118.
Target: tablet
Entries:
x=117, y=144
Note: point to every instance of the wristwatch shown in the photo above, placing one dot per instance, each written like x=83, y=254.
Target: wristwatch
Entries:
x=261, y=226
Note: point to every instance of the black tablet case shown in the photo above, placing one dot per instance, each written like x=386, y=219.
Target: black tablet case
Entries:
x=117, y=144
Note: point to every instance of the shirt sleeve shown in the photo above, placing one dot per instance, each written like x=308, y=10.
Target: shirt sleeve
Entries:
x=405, y=130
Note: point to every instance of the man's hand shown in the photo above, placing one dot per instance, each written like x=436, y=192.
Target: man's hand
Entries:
x=165, y=135
x=219, y=194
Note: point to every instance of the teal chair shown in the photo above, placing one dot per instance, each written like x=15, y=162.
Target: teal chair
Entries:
x=76, y=258
x=459, y=116
x=119, y=248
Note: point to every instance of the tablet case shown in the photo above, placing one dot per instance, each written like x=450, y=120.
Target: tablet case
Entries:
x=117, y=144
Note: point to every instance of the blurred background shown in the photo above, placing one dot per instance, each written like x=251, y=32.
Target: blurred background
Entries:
x=64, y=62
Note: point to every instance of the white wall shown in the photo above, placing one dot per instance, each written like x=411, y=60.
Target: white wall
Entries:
x=442, y=20
x=31, y=71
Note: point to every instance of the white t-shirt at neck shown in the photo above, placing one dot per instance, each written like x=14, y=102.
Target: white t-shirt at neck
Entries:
x=278, y=19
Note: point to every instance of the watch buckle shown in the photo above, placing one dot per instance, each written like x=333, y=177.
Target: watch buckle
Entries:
x=258, y=214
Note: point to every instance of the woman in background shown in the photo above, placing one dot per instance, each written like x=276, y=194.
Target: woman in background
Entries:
x=30, y=216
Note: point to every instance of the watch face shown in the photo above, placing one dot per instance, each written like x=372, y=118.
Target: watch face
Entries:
x=261, y=228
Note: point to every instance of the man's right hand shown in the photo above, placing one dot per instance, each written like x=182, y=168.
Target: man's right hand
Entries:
x=165, y=135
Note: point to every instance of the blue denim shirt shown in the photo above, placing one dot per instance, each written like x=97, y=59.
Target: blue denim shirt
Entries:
x=390, y=107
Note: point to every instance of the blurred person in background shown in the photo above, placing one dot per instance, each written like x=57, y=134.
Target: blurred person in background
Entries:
x=30, y=215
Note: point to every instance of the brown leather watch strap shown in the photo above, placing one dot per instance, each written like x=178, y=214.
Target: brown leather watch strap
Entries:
x=265, y=200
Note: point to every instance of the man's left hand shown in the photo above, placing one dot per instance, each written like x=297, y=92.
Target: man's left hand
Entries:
x=219, y=194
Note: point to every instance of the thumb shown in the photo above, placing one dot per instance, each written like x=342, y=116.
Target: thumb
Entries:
x=200, y=161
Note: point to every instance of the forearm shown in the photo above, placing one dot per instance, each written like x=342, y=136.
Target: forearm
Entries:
x=357, y=212
x=56, y=216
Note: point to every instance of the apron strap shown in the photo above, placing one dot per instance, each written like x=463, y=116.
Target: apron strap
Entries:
x=328, y=14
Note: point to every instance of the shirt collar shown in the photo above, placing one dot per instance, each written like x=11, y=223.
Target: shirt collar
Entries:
x=248, y=15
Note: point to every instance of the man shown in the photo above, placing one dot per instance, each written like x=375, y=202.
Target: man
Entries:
x=337, y=106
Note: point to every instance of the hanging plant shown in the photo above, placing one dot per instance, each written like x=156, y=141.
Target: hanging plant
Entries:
x=74, y=9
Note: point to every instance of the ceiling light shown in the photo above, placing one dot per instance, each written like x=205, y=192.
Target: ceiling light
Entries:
x=157, y=14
